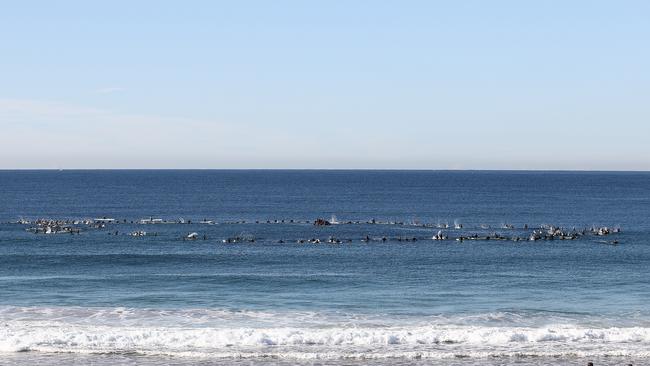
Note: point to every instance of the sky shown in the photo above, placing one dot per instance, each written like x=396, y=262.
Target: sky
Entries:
x=325, y=84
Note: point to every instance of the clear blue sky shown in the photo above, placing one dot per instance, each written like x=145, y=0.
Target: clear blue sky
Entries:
x=327, y=84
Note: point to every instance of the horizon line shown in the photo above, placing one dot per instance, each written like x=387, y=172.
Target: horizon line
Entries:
x=328, y=169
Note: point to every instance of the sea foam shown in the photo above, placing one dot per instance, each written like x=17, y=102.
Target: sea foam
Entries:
x=232, y=334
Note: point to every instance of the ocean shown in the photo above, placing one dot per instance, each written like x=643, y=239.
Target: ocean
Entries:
x=120, y=279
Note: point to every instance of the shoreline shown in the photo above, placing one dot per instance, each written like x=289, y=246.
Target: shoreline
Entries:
x=102, y=359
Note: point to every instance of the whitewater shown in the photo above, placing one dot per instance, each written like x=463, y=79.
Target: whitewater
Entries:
x=204, y=333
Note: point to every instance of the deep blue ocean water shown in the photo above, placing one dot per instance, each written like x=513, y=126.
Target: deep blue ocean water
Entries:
x=76, y=298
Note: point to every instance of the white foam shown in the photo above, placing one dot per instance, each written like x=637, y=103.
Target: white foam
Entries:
x=233, y=334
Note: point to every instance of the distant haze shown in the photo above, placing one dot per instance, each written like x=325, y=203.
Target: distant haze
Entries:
x=325, y=84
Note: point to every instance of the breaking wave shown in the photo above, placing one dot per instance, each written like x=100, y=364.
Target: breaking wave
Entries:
x=234, y=334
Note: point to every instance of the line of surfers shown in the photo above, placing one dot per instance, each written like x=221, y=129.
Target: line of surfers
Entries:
x=550, y=233
x=545, y=232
